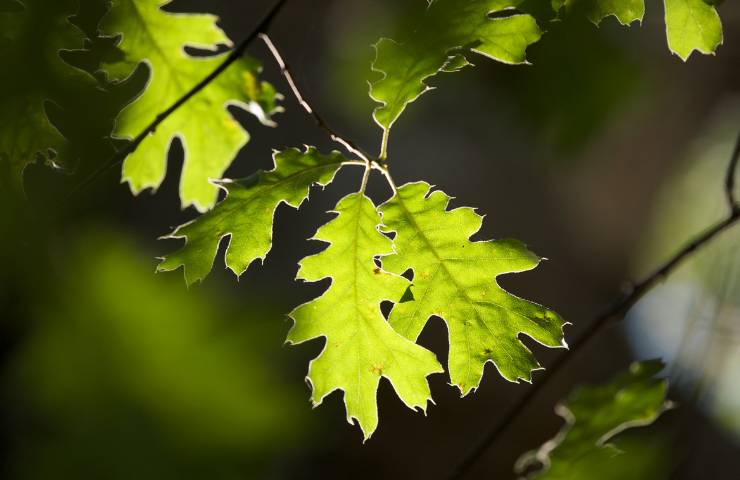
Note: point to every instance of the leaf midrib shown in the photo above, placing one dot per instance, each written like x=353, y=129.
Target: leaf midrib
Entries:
x=441, y=262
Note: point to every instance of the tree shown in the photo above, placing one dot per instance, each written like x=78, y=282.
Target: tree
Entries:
x=131, y=58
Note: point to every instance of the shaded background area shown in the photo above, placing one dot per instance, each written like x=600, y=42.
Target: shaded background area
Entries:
x=603, y=155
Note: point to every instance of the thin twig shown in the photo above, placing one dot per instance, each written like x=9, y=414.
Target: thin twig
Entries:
x=365, y=177
x=387, y=174
x=615, y=311
x=233, y=56
x=349, y=145
x=732, y=201
x=286, y=72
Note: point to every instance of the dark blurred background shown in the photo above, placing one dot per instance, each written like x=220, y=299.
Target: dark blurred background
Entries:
x=604, y=155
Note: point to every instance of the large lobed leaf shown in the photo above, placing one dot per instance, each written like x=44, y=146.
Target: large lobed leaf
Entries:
x=32, y=35
x=454, y=278
x=247, y=212
x=211, y=137
x=593, y=416
x=361, y=347
x=449, y=30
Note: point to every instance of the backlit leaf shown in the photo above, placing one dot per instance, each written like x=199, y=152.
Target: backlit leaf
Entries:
x=210, y=135
x=247, y=212
x=692, y=25
x=361, y=347
x=454, y=278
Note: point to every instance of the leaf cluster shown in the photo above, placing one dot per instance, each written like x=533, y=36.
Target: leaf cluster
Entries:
x=412, y=250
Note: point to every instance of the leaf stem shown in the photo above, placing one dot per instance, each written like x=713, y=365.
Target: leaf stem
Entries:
x=615, y=311
x=384, y=146
x=365, y=177
x=233, y=56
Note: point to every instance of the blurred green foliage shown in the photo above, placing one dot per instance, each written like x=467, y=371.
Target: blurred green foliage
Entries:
x=638, y=457
x=125, y=374
x=593, y=416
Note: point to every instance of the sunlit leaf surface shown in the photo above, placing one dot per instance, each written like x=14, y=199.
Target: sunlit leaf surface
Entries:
x=361, y=347
x=246, y=215
x=210, y=135
x=455, y=279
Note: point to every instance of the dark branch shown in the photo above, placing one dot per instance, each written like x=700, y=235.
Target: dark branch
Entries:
x=233, y=56
x=320, y=122
x=732, y=201
x=615, y=311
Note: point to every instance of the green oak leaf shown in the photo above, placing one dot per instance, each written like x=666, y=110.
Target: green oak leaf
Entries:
x=449, y=30
x=454, y=278
x=692, y=25
x=32, y=35
x=361, y=346
x=246, y=214
x=593, y=416
x=210, y=135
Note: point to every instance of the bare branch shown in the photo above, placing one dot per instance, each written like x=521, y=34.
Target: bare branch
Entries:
x=732, y=201
x=349, y=145
x=233, y=56
x=615, y=312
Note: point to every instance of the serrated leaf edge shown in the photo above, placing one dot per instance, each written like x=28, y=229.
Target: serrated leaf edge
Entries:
x=317, y=402
x=564, y=344
x=221, y=183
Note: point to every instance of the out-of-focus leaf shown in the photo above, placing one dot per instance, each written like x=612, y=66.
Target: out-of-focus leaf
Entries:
x=247, y=212
x=210, y=135
x=593, y=416
x=32, y=35
x=126, y=375
x=454, y=278
x=449, y=31
x=361, y=347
